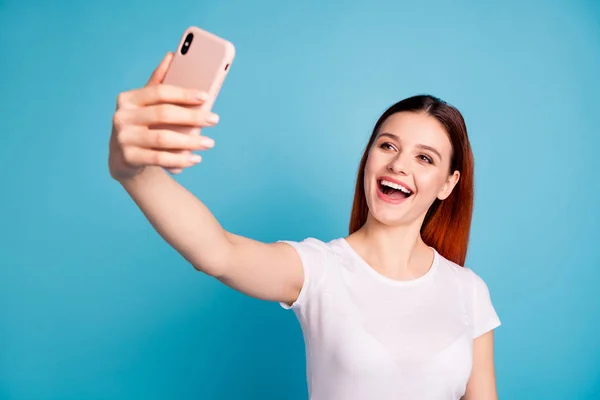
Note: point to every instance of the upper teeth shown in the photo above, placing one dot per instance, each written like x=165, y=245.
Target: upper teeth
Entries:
x=395, y=186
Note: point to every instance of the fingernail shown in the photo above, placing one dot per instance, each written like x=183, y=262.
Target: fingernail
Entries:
x=212, y=118
x=208, y=142
x=201, y=95
x=195, y=158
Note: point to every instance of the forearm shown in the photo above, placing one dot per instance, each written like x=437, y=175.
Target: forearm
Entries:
x=181, y=219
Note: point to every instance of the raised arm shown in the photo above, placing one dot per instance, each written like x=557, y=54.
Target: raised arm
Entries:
x=139, y=155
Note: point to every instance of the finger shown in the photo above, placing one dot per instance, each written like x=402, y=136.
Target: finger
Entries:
x=170, y=114
x=138, y=156
x=165, y=139
x=179, y=170
x=159, y=73
x=163, y=93
x=176, y=171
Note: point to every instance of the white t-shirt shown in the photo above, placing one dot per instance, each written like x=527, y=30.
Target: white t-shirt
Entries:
x=372, y=337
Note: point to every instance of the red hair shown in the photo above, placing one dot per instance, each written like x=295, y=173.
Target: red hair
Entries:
x=447, y=224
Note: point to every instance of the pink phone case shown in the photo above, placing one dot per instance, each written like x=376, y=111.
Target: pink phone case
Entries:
x=202, y=61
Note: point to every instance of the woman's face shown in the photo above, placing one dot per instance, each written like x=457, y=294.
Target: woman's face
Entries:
x=411, y=150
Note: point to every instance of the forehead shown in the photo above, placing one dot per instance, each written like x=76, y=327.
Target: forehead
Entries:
x=417, y=128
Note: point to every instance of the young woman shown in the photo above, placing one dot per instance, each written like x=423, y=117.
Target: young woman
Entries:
x=387, y=312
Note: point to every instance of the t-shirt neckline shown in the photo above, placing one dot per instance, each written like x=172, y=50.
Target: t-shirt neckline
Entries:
x=389, y=281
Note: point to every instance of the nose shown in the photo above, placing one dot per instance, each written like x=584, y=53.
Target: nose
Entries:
x=399, y=165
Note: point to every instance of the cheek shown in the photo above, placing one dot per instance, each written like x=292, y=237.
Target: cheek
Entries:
x=371, y=163
x=429, y=183
x=371, y=168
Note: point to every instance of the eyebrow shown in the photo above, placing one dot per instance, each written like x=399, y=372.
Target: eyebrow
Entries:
x=421, y=146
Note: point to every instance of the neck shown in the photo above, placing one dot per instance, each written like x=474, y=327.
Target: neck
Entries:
x=397, y=252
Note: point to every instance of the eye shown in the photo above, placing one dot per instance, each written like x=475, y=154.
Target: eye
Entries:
x=425, y=158
x=385, y=145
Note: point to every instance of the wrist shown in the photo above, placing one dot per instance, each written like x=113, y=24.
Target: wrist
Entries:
x=145, y=174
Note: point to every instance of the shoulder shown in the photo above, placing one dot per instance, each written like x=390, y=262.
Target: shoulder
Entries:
x=478, y=300
x=312, y=245
x=316, y=258
x=314, y=253
x=465, y=275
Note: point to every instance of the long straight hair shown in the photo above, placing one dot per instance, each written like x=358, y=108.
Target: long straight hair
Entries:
x=447, y=224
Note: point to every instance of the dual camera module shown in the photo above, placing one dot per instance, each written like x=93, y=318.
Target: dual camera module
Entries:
x=186, y=43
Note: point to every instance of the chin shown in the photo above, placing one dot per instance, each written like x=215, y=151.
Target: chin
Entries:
x=394, y=215
x=388, y=216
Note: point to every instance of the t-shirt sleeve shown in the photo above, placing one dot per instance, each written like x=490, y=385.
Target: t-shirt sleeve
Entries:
x=485, y=317
x=313, y=254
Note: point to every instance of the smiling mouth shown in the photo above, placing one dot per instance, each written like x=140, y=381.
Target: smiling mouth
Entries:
x=393, y=191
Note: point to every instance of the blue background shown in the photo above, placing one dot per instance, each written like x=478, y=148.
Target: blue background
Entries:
x=94, y=305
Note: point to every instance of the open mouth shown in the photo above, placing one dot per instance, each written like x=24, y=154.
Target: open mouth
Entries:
x=393, y=191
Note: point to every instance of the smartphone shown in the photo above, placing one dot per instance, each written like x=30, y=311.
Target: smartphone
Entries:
x=202, y=61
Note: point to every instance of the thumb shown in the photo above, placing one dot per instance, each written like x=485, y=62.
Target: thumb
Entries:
x=159, y=73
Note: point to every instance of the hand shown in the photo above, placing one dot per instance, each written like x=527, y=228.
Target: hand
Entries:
x=137, y=140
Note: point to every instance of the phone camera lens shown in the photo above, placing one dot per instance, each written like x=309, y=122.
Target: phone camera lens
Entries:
x=187, y=43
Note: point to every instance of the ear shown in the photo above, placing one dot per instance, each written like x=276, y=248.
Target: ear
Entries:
x=449, y=186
